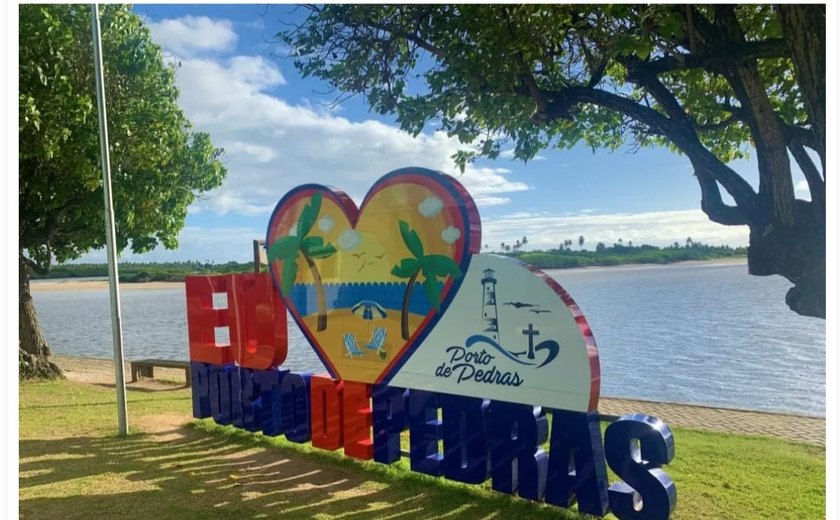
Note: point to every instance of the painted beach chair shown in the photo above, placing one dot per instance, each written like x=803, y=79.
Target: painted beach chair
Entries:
x=351, y=346
x=377, y=340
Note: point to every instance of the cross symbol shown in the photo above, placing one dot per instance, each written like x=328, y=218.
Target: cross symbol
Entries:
x=531, y=332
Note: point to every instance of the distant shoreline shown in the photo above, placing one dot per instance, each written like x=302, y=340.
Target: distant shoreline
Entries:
x=71, y=284
x=709, y=262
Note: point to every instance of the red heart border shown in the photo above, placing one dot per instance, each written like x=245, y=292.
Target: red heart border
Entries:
x=437, y=182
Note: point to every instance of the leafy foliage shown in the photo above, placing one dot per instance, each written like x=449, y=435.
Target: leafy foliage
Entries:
x=158, y=164
x=286, y=249
x=146, y=271
x=713, y=82
x=431, y=266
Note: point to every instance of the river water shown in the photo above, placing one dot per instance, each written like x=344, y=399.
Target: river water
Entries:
x=697, y=333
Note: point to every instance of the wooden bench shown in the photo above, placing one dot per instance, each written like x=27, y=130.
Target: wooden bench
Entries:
x=146, y=368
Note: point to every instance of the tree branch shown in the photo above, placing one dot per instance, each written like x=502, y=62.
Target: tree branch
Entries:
x=732, y=119
x=714, y=60
x=685, y=137
x=816, y=184
x=712, y=204
x=800, y=136
x=804, y=30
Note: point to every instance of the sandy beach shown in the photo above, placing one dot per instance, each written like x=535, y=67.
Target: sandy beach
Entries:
x=65, y=284
x=69, y=284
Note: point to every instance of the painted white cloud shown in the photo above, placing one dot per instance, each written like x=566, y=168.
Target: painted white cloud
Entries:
x=430, y=207
x=191, y=35
x=660, y=228
x=326, y=224
x=349, y=240
x=450, y=234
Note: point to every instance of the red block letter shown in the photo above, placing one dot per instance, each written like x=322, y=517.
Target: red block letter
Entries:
x=202, y=318
x=325, y=418
x=358, y=419
x=258, y=333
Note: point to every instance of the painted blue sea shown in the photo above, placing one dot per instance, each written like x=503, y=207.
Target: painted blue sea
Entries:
x=698, y=333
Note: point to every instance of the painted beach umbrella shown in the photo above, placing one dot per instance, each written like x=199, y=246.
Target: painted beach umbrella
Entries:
x=369, y=310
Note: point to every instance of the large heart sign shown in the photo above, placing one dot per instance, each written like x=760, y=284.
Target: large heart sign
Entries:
x=366, y=285
x=421, y=333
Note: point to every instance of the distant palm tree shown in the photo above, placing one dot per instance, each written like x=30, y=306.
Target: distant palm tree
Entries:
x=287, y=249
x=432, y=267
x=580, y=241
x=517, y=245
x=524, y=241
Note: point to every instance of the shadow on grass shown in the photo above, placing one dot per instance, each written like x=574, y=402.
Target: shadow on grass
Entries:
x=162, y=386
x=187, y=473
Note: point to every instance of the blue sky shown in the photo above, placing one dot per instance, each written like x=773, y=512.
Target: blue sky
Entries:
x=279, y=130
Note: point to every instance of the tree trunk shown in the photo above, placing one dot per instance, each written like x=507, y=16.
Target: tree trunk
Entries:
x=406, y=300
x=319, y=294
x=797, y=253
x=804, y=29
x=33, y=351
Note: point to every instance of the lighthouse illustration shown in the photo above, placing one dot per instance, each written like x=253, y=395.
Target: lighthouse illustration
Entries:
x=489, y=311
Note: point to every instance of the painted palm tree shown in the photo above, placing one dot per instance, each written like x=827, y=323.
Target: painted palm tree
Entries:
x=430, y=266
x=288, y=249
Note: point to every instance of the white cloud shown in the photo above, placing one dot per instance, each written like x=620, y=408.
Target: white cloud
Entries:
x=660, y=228
x=273, y=146
x=217, y=244
x=191, y=35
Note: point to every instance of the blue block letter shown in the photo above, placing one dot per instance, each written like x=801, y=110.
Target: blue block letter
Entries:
x=576, y=467
x=200, y=382
x=294, y=401
x=644, y=482
x=389, y=420
x=425, y=432
x=464, y=439
x=515, y=432
x=271, y=412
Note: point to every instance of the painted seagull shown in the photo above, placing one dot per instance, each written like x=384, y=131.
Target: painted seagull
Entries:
x=519, y=305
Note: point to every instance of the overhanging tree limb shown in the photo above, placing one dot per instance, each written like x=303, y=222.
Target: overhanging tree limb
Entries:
x=740, y=190
x=717, y=92
x=804, y=29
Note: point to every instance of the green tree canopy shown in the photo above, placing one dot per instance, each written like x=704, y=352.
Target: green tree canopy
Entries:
x=711, y=82
x=158, y=164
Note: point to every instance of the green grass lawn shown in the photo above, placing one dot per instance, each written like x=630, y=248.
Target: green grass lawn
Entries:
x=72, y=465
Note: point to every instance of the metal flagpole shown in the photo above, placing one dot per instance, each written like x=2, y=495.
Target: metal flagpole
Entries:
x=110, y=246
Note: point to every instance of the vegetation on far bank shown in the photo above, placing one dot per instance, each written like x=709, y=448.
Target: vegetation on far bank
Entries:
x=72, y=463
x=562, y=257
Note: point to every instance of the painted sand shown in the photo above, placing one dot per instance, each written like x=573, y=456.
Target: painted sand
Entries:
x=370, y=364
